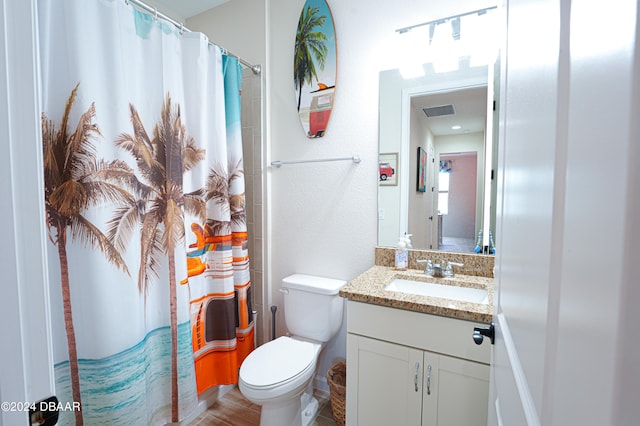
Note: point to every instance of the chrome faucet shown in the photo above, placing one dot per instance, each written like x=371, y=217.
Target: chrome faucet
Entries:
x=433, y=269
x=428, y=266
x=449, y=270
x=437, y=270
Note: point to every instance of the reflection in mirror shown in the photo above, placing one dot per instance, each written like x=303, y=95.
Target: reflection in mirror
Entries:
x=443, y=114
x=457, y=207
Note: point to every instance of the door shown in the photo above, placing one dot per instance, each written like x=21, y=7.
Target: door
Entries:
x=26, y=370
x=527, y=137
x=389, y=383
x=567, y=294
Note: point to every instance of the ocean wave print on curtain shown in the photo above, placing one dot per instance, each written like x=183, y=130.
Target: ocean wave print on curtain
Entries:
x=133, y=114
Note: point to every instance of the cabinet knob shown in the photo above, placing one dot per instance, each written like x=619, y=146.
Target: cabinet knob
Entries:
x=480, y=332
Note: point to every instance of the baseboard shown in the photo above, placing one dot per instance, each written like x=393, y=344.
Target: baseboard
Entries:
x=206, y=400
x=321, y=385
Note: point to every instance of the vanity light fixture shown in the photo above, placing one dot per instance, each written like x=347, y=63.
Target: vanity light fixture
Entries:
x=468, y=34
x=444, y=48
x=442, y=20
x=413, y=53
x=479, y=38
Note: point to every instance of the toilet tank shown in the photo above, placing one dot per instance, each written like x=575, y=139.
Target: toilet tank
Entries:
x=312, y=307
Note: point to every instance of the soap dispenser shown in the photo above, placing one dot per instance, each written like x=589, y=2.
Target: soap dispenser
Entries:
x=402, y=252
x=407, y=240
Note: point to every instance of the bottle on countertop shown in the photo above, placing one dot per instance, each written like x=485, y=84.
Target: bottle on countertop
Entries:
x=402, y=252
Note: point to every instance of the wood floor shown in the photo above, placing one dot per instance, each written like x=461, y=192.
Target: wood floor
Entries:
x=234, y=410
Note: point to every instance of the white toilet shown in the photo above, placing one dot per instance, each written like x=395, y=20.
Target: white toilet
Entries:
x=278, y=375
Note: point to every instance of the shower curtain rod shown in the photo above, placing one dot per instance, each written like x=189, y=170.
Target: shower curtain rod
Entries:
x=156, y=14
x=441, y=20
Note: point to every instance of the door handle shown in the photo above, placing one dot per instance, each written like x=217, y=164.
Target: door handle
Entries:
x=415, y=377
x=480, y=332
x=429, y=379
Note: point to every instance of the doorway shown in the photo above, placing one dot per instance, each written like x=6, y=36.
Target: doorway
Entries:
x=457, y=185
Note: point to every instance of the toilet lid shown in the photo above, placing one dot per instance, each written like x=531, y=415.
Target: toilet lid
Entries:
x=277, y=361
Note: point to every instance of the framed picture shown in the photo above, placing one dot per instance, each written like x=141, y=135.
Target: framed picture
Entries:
x=422, y=171
x=388, y=169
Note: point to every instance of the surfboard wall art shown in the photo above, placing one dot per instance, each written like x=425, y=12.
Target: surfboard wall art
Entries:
x=314, y=67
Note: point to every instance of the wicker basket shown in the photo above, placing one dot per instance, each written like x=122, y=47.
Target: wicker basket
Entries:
x=337, y=379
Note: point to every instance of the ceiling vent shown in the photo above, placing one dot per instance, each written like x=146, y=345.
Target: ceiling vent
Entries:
x=439, y=111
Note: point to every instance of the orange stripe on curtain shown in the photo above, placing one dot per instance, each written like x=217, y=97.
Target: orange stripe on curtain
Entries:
x=221, y=311
x=216, y=368
x=214, y=295
x=245, y=344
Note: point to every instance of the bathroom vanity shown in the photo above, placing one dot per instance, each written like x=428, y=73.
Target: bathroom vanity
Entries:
x=411, y=358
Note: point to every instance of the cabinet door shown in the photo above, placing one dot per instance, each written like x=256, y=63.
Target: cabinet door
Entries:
x=384, y=383
x=459, y=389
x=430, y=396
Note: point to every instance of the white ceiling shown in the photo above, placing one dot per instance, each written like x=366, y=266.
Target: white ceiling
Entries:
x=188, y=8
x=470, y=107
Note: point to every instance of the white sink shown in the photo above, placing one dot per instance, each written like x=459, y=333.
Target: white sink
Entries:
x=452, y=292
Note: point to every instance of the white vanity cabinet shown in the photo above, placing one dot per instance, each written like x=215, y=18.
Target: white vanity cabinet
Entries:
x=409, y=368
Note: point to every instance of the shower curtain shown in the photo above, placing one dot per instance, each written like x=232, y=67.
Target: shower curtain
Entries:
x=144, y=191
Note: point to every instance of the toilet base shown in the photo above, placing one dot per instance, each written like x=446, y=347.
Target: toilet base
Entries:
x=300, y=411
x=309, y=408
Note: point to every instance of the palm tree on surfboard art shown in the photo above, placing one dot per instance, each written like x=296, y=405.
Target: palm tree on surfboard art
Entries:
x=310, y=43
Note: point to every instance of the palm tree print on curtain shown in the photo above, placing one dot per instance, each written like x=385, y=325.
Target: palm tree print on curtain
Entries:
x=315, y=59
x=154, y=177
x=76, y=180
x=158, y=208
x=218, y=264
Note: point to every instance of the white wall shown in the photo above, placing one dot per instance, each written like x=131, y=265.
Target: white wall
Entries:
x=238, y=26
x=324, y=216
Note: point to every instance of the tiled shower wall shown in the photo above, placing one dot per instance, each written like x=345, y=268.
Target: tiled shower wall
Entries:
x=251, y=104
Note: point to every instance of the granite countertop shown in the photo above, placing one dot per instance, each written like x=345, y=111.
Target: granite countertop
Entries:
x=369, y=288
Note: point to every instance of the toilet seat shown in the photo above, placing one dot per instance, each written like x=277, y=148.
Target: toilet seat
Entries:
x=277, y=362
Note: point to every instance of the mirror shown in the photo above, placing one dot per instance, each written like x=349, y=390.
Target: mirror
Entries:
x=416, y=117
